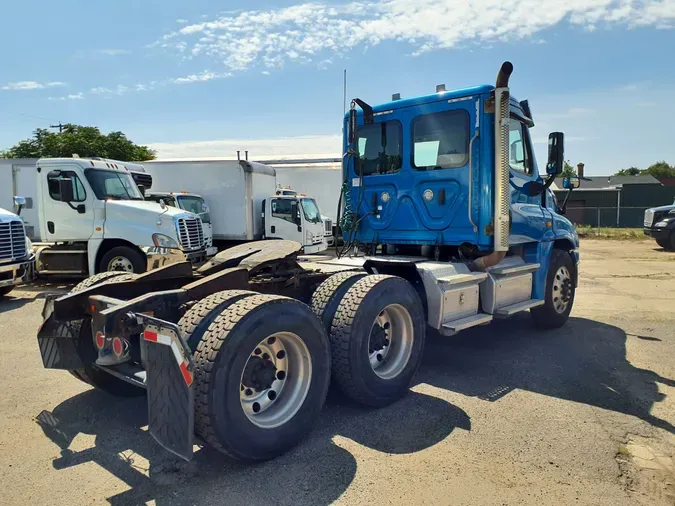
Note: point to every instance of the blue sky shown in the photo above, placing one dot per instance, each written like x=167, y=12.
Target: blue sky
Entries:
x=193, y=80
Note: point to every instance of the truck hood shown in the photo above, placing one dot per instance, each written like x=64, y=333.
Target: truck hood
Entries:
x=663, y=208
x=6, y=215
x=143, y=208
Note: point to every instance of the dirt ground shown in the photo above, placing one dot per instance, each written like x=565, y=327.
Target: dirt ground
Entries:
x=498, y=415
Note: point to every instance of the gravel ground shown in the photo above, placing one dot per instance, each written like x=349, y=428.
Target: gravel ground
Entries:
x=498, y=415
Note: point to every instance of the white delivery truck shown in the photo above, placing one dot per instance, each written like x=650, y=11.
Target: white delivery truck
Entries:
x=242, y=201
x=88, y=215
x=192, y=203
x=319, y=177
x=17, y=261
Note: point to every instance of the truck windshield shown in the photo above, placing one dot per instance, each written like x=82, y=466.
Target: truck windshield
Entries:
x=112, y=184
x=311, y=210
x=194, y=205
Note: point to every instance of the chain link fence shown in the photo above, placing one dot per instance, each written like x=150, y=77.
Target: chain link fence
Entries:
x=596, y=217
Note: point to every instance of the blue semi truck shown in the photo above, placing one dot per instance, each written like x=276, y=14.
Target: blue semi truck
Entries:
x=445, y=226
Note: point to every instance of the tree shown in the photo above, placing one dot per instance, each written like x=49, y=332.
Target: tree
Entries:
x=568, y=170
x=660, y=169
x=630, y=171
x=86, y=141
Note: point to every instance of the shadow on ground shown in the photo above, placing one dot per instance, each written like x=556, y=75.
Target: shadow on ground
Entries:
x=317, y=472
x=583, y=362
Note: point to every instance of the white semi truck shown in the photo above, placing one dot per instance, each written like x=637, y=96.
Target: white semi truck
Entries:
x=192, y=203
x=17, y=261
x=242, y=201
x=86, y=216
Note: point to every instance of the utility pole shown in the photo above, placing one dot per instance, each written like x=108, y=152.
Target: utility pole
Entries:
x=59, y=126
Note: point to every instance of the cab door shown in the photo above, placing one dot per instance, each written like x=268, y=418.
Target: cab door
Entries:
x=285, y=220
x=66, y=221
x=528, y=217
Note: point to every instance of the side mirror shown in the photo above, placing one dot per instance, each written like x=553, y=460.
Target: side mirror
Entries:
x=556, y=153
x=141, y=188
x=19, y=203
x=571, y=183
x=206, y=208
x=66, y=190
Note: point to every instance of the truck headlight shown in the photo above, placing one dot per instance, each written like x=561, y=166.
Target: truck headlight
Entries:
x=164, y=241
x=662, y=224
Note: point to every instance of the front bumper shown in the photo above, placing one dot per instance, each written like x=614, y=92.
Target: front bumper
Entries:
x=160, y=257
x=657, y=233
x=316, y=248
x=18, y=273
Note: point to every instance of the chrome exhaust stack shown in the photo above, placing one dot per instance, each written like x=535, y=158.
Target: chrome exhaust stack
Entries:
x=502, y=193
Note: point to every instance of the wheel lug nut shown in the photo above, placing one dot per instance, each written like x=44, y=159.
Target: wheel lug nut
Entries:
x=281, y=375
x=272, y=395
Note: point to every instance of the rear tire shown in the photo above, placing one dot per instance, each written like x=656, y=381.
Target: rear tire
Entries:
x=377, y=338
x=664, y=243
x=123, y=259
x=328, y=295
x=560, y=292
x=231, y=378
x=91, y=374
x=196, y=321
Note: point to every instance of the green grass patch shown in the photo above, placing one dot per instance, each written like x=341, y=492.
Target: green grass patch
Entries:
x=622, y=234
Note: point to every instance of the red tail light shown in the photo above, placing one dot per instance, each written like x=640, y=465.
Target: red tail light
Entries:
x=100, y=340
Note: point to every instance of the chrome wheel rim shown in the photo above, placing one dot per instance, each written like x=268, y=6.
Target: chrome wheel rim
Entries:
x=390, y=342
x=120, y=263
x=562, y=290
x=275, y=380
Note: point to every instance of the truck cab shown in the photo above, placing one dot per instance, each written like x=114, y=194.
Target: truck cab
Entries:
x=296, y=218
x=190, y=202
x=93, y=218
x=659, y=224
x=17, y=260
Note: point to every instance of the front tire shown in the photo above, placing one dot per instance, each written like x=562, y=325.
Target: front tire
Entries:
x=5, y=290
x=560, y=291
x=123, y=259
x=261, y=377
x=377, y=338
x=664, y=243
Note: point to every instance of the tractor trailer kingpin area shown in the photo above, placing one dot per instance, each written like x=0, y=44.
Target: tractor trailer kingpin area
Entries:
x=445, y=226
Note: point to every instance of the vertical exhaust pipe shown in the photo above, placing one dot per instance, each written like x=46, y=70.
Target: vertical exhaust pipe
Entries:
x=502, y=193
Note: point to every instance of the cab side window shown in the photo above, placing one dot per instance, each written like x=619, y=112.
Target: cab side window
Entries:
x=53, y=184
x=520, y=153
x=284, y=209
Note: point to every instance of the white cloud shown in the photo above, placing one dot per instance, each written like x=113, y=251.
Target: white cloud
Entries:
x=31, y=85
x=182, y=21
x=259, y=149
x=73, y=96
x=202, y=76
x=113, y=52
x=298, y=33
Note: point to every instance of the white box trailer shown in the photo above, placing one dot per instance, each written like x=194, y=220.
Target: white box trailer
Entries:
x=18, y=177
x=319, y=177
x=234, y=191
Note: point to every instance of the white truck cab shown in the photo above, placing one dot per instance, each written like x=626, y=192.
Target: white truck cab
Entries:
x=296, y=218
x=17, y=261
x=190, y=202
x=327, y=222
x=93, y=218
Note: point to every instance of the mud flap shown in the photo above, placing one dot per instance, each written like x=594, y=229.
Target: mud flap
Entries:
x=59, y=342
x=169, y=380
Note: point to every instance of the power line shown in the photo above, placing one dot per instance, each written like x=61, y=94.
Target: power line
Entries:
x=26, y=115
